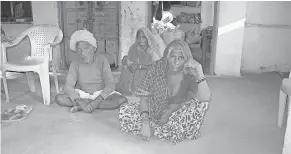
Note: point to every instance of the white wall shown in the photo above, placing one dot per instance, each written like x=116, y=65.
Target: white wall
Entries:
x=267, y=49
x=44, y=12
x=207, y=10
x=134, y=15
x=23, y=49
x=230, y=38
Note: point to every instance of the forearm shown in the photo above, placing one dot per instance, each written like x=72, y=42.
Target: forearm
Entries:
x=144, y=106
x=108, y=80
x=109, y=88
x=70, y=91
x=144, y=109
x=203, y=91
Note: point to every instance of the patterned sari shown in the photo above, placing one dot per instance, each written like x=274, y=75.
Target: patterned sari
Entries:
x=183, y=124
x=136, y=55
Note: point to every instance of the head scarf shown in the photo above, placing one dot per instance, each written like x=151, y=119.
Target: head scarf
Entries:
x=180, y=45
x=153, y=47
x=82, y=35
x=148, y=34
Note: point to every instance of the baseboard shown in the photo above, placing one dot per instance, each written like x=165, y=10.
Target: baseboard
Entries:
x=222, y=76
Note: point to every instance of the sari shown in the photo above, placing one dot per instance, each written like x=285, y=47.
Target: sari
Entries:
x=185, y=123
x=128, y=81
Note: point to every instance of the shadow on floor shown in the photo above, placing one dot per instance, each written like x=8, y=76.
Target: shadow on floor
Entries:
x=241, y=119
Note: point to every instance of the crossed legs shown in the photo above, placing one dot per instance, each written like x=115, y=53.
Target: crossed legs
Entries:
x=110, y=103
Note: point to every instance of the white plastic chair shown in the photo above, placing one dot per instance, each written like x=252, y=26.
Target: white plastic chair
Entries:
x=42, y=39
x=283, y=101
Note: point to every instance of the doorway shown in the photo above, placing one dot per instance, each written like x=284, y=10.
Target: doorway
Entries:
x=100, y=18
x=199, y=21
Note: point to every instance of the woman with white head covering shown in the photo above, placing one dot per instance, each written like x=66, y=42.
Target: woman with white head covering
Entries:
x=143, y=52
x=165, y=105
x=93, y=74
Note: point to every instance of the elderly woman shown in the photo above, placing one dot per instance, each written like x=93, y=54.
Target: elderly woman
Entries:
x=141, y=54
x=93, y=73
x=165, y=106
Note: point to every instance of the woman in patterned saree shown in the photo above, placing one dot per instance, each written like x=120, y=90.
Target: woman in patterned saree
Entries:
x=165, y=109
x=141, y=54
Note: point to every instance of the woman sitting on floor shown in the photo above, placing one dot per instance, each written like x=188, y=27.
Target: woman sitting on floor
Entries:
x=164, y=105
x=141, y=54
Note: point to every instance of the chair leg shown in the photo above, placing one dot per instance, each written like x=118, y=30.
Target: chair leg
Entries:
x=45, y=85
x=56, y=78
x=5, y=85
x=30, y=79
x=282, y=104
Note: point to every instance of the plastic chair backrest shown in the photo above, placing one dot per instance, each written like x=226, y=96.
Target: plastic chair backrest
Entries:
x=41, y=35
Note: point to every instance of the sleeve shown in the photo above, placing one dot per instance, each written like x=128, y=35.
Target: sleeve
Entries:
x=145, y=87
x=108, y=79
x=71, y=80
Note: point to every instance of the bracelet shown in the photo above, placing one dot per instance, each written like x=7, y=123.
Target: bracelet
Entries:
x=140, y=67
x=142, y=112
x=201, y=80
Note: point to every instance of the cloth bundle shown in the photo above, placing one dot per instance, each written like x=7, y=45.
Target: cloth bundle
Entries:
x=85, y=95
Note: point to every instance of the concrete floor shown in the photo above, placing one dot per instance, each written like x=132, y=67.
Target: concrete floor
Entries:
x=241, y=120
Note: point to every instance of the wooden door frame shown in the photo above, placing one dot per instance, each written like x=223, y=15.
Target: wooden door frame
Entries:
x=119, y=34
x=62, y=45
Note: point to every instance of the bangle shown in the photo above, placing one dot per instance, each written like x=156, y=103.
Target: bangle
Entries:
x=201, y=80
x=140, y=67
x=142, y=113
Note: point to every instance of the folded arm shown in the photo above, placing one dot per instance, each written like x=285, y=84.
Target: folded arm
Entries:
x=201, y=90
x=144, y=90
x=203, y=93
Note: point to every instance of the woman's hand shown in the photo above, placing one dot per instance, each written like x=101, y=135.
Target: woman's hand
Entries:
x=145, y=130
x=164, y=119
x=168, y=112
x=194, y=68
x=133, y=67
